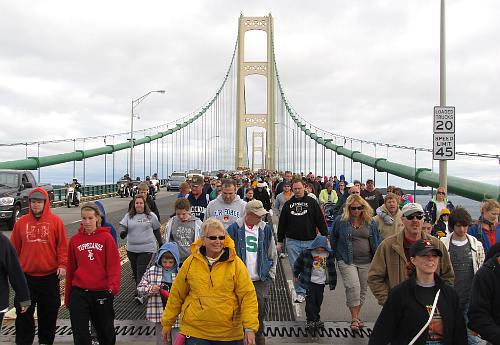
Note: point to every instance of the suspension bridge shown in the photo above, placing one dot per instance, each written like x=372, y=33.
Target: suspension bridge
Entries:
x=223, y=135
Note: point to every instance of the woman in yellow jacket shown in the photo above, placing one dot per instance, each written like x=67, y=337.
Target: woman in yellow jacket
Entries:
x=213, y=293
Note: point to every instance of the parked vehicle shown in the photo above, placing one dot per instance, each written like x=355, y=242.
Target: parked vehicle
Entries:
x=15, y=186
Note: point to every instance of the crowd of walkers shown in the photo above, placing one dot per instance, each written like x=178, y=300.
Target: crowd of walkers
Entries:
x=206, y=278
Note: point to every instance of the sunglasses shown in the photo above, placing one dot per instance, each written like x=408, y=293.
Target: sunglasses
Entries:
x=413, y=216
x=441, y=193
x=358, y=208
x=213, y=238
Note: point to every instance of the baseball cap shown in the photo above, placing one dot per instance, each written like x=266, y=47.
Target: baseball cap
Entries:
x=261, y=185
x=197, y=181
x=37, y=195
x=349, y=185
x=255, y=206
x=411, y=208
x=422, y=247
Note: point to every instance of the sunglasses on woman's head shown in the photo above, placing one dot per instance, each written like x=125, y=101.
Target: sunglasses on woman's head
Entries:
x=412, y=216
x=359, y=208
x=213, y=238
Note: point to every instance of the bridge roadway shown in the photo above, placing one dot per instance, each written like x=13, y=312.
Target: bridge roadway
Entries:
x=286, y=320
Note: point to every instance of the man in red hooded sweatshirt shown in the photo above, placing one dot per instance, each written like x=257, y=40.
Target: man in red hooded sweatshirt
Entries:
x=40, y=241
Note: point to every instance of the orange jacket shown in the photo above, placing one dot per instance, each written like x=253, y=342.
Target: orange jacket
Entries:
x=41, y=244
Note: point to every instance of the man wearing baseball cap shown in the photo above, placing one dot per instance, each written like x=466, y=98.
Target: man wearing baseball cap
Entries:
x=40, y=241
x=388, y=267
x=197, y=198
x=254, y=244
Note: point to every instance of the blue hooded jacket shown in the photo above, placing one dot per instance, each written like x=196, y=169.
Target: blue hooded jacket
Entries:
x=303, y=266
x=105, y=223
x=174, y=250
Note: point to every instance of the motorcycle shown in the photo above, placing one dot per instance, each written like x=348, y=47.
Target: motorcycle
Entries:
x=153, y=188
x=134, y=188
x=71, y=197
x=123, y=188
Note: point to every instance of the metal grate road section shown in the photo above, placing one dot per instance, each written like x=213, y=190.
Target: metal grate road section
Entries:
x=279, y=303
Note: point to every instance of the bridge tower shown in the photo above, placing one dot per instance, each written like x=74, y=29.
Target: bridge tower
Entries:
x=244, y=69
x=257, y=149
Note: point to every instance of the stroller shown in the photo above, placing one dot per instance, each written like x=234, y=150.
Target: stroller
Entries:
x=329, y=215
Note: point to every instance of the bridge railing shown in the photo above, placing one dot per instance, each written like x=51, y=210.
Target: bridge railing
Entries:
x=93, y=190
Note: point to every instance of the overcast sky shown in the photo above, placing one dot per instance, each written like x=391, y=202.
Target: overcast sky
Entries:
x=366, y=69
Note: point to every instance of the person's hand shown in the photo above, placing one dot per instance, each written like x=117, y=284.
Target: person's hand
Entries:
x=249, y=338
x=123, y=234
x=166, y=332
x=23, y=309
x=61, y=273
x=155, y=289
x=279, y=247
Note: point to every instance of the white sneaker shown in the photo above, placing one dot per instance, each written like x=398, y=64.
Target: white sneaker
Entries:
x=300, y=299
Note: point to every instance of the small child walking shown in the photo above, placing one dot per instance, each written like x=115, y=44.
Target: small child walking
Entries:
x=313, y=269
x=156, y=284
x=183, y=229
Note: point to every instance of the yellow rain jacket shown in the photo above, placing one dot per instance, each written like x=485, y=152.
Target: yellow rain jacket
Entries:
x=214, y=304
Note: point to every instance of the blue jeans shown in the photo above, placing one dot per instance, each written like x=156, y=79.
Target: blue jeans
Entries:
x=472, y=339
x=198, y=341
x=294, y=248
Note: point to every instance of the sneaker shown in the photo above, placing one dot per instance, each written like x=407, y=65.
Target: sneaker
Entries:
x=139, y=300
x=300, y=299
x=310, y=325
x=319, y=324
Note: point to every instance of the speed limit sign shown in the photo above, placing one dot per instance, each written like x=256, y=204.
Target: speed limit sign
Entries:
x=444, y=119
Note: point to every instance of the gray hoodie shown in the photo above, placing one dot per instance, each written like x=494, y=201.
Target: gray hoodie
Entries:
x=226, y=213
x=183, y=233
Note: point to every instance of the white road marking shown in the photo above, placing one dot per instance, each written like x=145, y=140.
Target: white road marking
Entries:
x=293, y=294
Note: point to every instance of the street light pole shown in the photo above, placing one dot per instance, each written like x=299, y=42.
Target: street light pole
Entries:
x=135, y=103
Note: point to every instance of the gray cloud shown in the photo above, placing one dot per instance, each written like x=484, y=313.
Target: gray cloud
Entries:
x=362, y=69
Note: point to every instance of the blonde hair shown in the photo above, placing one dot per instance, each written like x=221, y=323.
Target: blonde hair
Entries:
x=93, y=207
x=390, y=196
x=366, y=213
x=211, y=223
x=488, y=205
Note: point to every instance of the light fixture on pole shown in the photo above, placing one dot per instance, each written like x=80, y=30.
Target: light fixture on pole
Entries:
x=135, y=103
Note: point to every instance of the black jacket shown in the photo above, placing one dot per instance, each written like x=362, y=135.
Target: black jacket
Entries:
x=484, y=307
x=403, y=316
x=10, y=270
x=262, y=196
x=300, y=218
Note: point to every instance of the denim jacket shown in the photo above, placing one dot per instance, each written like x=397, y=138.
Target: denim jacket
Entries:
x=266, y=249
x=341, y=239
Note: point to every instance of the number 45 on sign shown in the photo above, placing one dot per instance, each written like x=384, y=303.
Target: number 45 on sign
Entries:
x=444, y=146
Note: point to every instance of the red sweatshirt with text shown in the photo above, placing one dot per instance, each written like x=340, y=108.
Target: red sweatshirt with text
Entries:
x=93, y=262
x=41, y=244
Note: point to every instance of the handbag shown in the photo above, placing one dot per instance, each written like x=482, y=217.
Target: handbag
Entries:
x=180, y=339
x=428, y=321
